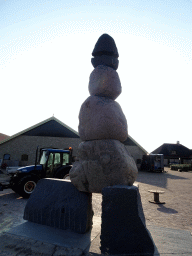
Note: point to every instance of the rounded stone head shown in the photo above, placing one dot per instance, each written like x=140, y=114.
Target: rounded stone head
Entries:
x=105, y=46
x=105, y=52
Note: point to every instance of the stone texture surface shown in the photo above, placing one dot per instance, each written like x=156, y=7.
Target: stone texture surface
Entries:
x=105, y=46
x=57, y=203
x=123, y=229
x=102, y=163
x=16, y=245
x=12, y=245
x=105, y=60
x=104, y=81
x=102, y=118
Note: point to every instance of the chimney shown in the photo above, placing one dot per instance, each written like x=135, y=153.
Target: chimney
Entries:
x=178, y=142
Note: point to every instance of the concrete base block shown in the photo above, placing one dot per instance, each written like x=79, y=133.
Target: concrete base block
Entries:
x=123, y=229
x=35, y=239
x=58, y=203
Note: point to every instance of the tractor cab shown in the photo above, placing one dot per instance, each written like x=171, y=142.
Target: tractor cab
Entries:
x=52, y=159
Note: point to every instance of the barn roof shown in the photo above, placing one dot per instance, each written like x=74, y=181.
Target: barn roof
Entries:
x=53, y=127
x=3, y=137
x=131, y=142
x=173, y=150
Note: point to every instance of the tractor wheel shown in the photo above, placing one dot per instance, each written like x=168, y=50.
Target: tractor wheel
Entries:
x=62, y=172
x=26, y=186
x=15, y=189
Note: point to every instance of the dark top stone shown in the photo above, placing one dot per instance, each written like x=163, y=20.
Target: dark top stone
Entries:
x=105, y=60
x=105, y=46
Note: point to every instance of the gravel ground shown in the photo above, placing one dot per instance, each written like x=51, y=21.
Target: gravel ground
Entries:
x=175, y=213
x=11, y=209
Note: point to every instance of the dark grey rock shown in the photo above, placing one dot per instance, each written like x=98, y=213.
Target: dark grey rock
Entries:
x=106, y=60
x=104, y=82
x=105, y=46
x=123, y=229
x=58, y=203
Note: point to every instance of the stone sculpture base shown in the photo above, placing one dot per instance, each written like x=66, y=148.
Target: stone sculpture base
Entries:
x=57, y=203
x=123, y=229
x=34, y=239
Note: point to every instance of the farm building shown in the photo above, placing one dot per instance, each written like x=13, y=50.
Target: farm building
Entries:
x=20, y=149
x=174, y=153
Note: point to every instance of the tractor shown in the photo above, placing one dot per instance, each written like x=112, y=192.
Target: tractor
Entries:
x=53, y=163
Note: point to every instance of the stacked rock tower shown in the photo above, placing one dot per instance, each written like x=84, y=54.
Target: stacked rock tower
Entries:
x=103, y=160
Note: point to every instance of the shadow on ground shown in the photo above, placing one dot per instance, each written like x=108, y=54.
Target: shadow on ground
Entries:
x=156, y=178
x=163, y=208
x=10, y=196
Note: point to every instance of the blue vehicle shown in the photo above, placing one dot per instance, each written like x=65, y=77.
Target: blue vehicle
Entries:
x=53, y=163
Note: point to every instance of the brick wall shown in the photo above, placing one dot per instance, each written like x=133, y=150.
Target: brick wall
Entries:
x=28, y=144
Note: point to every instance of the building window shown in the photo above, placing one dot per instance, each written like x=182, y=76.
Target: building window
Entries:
x=173, y=152
x=6, y=157
x=24, y=157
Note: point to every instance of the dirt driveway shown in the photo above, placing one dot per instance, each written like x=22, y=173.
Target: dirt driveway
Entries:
x=175, y=213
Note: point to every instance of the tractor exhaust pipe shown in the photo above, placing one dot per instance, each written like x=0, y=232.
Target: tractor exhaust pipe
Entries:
x=36, y=156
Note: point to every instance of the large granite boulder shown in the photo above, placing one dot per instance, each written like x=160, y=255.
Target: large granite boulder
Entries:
x=104, y=81
x=102, y=118
x=102, y=163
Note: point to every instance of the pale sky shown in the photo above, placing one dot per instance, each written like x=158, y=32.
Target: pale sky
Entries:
x=45, y=63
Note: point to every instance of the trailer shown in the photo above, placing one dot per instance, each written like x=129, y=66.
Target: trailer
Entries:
x=152, y=163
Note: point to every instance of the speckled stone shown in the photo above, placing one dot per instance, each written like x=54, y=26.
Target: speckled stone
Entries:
x=104, y=81
x=102, y=118
x=102, y=163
